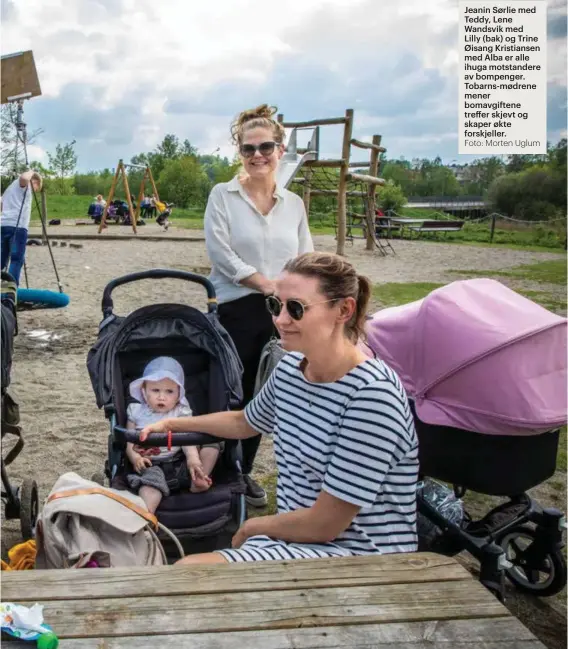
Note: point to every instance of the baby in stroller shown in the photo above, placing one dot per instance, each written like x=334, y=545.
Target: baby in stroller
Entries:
x=160, y=393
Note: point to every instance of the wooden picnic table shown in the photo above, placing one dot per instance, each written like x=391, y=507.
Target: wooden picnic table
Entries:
x=404, y=601
x=402, y=220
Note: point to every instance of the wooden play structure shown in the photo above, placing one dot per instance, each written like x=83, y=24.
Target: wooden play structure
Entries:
x=121, y=171
x=355, y=192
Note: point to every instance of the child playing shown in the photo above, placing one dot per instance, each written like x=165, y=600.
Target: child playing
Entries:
x=160, y=393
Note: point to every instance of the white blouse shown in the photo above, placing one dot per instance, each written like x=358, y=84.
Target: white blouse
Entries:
x=241, y=241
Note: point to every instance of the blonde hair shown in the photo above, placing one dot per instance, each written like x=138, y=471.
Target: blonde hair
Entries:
x=337, y=279
x=35, y=176
x=259, y=117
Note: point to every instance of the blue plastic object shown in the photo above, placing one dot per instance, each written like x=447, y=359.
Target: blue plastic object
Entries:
x=39, y=298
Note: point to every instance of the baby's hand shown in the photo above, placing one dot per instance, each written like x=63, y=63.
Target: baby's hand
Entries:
x=158, y=427
x=140, y=463
x=200, y=481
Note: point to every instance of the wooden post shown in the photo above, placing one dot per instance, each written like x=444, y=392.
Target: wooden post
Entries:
x=371, y=203
x=102, y=224
x=141, y=194
x=492, y=232
x=154, y=188
x=128, y=199
x=344, y=170
x=43, y=215
x=307, y=194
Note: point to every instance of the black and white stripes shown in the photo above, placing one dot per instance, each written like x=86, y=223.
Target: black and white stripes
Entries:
x=353, y=438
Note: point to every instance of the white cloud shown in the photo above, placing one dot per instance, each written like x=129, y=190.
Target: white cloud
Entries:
x=119, y=74
x=37, y=153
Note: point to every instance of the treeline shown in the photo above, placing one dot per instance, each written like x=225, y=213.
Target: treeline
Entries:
x=531, y=187
x=183, y=176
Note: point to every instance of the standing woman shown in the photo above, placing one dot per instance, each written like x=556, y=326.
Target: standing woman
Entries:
x=252, y=228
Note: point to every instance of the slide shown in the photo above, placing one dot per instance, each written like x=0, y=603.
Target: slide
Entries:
x=292, y=160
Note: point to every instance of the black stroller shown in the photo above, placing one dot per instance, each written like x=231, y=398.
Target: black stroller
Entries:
x=486, y=372
x=21, y=502
x=202, y=522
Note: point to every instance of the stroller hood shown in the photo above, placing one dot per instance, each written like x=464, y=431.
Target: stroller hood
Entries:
x=160, y=322
x=478, y=356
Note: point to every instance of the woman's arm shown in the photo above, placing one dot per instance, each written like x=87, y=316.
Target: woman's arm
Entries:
x=227, y=425
x=305, y=243
x=217, y=242
x=323, y=522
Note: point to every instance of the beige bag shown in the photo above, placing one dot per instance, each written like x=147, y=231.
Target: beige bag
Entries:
x=82, y=522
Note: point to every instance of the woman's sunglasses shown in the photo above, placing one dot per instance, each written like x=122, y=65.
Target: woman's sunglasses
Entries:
x=295, y=308
x=265, y=149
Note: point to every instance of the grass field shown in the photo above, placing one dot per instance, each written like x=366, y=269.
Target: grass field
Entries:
x=534, y=238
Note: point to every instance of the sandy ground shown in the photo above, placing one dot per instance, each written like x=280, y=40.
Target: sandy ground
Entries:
x=63, y=428
x=64, y=431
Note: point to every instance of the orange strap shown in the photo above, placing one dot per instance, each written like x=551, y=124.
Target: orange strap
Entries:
x=169, y=440
x=109, y=494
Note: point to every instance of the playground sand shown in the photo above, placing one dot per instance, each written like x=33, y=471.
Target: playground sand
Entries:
x=63, y=429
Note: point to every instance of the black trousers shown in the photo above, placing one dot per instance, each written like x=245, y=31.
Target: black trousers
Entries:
x=250, y=326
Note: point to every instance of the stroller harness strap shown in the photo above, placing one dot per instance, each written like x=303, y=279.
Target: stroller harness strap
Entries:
x=102, y=492
x=10, y=429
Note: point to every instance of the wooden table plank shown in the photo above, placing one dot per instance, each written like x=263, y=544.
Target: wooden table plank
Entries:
x=246, y=611
x=483, y=633
x=238, y=577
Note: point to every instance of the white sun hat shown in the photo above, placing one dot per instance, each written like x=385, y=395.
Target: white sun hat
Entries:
x=163, y=367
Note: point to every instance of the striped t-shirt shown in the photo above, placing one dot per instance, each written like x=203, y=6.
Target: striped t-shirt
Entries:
x=353, y=438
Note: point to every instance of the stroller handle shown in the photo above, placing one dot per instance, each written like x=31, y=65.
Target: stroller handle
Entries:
x=161, y=439
x=158, y=273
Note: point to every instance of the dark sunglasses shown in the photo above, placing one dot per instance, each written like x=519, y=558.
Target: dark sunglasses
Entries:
x=265, y=149
x=295, y=308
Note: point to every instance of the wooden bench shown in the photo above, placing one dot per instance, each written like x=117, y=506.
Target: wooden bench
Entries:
x=410, y=601
x=437, y=226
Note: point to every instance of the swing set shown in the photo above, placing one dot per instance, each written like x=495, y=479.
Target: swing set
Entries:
x=133, y=214
x=20, y=82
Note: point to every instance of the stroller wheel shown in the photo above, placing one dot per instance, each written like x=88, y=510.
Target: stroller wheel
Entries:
x=542, y=575
x=29, y=507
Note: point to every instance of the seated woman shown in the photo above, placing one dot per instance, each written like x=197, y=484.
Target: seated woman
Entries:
x=344, y=438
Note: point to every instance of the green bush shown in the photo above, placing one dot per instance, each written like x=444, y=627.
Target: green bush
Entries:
x=536, y=194
x=391, y=197
x=184, y=182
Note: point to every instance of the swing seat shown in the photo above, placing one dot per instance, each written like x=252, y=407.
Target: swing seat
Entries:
x=34, y=298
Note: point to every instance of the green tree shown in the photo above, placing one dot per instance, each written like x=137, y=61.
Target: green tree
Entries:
x=480, y=174
x=64, y=161
x=536, y=194
x=391, y=197
x=13, y=159
x=184, y=182
x=188, y=149
x=556, y=156
x=520, y=162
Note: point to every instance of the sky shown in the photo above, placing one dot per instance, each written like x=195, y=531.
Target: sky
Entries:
x=117, y=75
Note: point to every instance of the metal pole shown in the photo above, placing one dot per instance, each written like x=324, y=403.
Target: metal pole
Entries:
x=492, y=232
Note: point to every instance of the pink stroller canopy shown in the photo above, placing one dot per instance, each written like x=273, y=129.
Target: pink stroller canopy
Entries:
x=478, y=356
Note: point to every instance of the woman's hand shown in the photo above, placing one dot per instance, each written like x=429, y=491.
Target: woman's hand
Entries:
x=269, y=287
x=158, y=427
x=245, y=531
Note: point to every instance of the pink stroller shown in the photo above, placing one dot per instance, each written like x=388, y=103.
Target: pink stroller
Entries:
x=485, y=369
